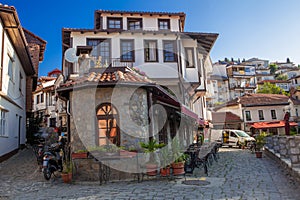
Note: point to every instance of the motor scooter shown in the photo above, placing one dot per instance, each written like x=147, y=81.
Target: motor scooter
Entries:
x=52, y=160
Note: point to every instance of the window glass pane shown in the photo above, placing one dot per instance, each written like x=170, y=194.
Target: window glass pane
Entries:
x=127, y=53
x=169, y=52
x=134, y=24
x=189, y=57
x=151, y=50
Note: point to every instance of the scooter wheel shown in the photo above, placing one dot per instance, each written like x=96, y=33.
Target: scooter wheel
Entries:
x=47, y=174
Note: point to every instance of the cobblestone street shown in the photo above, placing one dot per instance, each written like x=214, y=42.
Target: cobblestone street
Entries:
x=238, y=174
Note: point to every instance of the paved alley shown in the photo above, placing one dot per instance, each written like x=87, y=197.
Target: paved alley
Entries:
x=238, y=174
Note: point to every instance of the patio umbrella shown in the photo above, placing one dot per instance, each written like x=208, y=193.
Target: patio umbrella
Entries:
x=287, y=123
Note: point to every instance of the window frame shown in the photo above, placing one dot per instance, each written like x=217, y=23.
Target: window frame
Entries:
x=108, y=19
x=273, y=114
x=248, y=115
x=186, y=49
x=3, y=123
x=122, y=41
x=261, y=115
x=145, y=51
x=98, y=49
x=108, y=116
x=165, y=42
x=140, y=20
x=164, y=20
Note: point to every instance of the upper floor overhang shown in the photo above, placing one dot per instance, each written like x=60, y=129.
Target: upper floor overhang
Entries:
x=12, y=26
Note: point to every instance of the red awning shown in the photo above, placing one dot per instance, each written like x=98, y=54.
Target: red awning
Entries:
x=188, y=112
x=277, y=124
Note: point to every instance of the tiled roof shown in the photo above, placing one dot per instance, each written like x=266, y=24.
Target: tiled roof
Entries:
x=295, y=101
x=221, y=117
x=263, y=99
x=273, y=81
x=108, y=77
x=141, y=12
x=251, y=100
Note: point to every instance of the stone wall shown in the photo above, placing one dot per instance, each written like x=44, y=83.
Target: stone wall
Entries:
x=285, y=147
x=132, y=108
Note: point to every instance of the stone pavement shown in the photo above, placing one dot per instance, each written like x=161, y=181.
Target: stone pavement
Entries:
x=237, y=175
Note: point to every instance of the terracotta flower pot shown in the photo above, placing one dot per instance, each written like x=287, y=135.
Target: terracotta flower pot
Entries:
x=151, y=169
x=165, y=171
x=80, y=155
x=178, y=168
x=66, y=177
x=258, y=154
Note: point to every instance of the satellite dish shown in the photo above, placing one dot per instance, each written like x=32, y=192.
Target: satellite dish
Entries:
x=70, y=55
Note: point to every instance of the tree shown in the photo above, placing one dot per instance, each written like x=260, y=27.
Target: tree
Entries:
x=288, y=60
x=269, y=88
x=282, y=77
x=273, y=67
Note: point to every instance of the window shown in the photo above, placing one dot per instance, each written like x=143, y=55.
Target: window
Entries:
x=108, y=131
x=37, y=99
x=248, y=115
x=42, y=98
x=151, y=53
x=101, y=47
x=20, y=82
x=163, y=24
x=3, y=123
x=296, y=81
x=134, y=23
x=127, y=50
x=11, y=68
x=169, y=51
x=189, y=56
x=273, y=114
x=260, y=115
x=297, y=115
x=114, y=23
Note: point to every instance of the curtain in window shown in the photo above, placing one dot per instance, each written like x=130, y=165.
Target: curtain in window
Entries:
x=152, y=51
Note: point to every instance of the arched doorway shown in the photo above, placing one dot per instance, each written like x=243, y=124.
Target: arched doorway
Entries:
x=108, y=131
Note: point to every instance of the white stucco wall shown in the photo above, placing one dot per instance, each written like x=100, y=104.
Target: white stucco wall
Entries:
x=11, y=90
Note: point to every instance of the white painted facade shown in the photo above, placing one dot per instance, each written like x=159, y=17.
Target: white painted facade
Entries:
x=44, y=103
x=167, y=73
x=12, y=98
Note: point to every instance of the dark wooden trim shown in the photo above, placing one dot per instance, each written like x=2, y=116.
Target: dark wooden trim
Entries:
x=135, y=19
x=174, y=50
x=114, y=18
x=145, y=50
x=164, y=20
x=8, y=155
x=133, y=50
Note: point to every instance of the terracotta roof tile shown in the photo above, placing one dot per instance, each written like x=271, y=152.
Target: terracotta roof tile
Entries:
x=128, y=76
x=263, y=99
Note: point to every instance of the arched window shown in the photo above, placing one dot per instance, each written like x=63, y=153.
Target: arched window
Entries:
x=108, y=131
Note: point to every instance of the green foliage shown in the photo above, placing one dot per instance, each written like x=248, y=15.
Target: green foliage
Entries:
x=260, y=140
x=273, y=67
x=165, y=157
x=282, y=77
x=151, y=146
x=178, y=155
x=67, y=167
x=269, y=88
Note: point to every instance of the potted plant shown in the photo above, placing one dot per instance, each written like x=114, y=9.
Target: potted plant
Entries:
x=260, y=141
x=151, y=147
x=82, y=153
x=178, y=158
x=66, y=174
x=165, y=158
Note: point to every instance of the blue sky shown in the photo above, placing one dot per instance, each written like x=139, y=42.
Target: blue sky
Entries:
x=267, y=29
